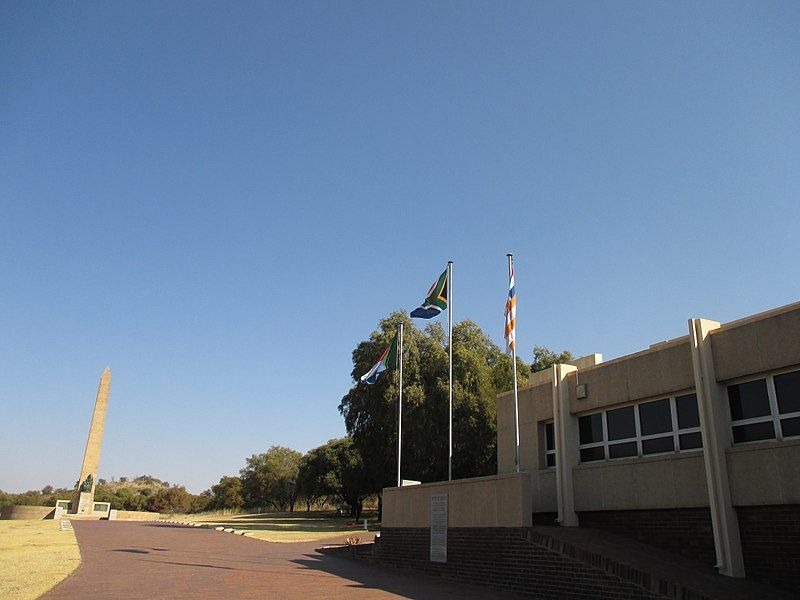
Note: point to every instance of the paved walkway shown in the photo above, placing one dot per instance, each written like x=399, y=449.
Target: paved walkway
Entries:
x=161, y=560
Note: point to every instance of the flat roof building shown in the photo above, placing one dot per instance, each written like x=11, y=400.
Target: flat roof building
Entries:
x=692, y=445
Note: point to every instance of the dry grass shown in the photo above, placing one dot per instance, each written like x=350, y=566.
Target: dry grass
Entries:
x=287, y=527
x=34, y=557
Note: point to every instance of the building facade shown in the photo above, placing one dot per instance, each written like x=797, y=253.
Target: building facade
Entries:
x=692, y=445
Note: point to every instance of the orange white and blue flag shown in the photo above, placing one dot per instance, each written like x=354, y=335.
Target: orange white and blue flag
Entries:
x=511, y=312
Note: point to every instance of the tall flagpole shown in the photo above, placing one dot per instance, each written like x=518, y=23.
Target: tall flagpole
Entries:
x=450, y=344
x=400, y=405
x=514, y=362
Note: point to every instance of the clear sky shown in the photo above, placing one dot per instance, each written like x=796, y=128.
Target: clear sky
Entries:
x=220, y=200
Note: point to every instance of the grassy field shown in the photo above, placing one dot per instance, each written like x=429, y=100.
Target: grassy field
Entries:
x=34, y=557
x=297, y=526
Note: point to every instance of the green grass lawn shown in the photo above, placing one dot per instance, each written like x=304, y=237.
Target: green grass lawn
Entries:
x=34, y=557
x=299, y=526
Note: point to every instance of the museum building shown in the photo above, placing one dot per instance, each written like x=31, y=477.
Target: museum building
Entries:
x=691, y=446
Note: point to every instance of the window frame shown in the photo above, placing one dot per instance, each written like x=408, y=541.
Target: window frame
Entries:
x=544, y=445
x=675, y=434
x=774, y=417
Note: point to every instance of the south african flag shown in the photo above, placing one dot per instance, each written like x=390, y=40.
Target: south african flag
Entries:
x=387, y=360
x=436, y=301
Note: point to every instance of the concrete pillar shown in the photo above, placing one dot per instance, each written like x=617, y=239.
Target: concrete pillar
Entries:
x=716, y=428
x=565, y=427
x=91, y=457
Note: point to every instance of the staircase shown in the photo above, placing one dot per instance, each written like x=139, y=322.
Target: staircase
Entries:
x=651, y=569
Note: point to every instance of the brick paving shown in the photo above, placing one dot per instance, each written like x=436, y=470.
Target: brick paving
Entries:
x=162, y=560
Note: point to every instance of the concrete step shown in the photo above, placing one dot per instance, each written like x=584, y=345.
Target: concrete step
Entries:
x=66, y=525
x=652, y=569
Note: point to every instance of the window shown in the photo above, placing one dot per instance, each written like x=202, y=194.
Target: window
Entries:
x=549, y=444
x=765, y=409
x=655, y=427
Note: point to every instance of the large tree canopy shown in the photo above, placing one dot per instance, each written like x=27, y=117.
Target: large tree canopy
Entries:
x=480, y=371
x=270, y=479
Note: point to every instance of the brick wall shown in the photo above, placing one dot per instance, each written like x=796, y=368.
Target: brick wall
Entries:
x=771, y=544
x=504, y=559
x=686, y=531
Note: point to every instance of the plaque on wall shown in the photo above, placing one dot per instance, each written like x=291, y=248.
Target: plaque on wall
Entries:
x=439, y=528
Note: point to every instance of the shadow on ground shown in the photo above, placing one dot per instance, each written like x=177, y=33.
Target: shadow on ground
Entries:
x=401, y=582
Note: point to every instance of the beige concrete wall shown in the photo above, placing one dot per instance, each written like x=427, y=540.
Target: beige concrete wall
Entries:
x=543, y=491
x=31, y=513
x=535, y=405
x=496, y=501
x=674, y=481
x=763, y=342
x=765, y=473
x=135, y=515
x=659, y=370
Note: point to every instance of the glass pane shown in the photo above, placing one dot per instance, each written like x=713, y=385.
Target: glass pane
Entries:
x=621, y=423
x=591, y=428
x=590, y=454
x=753, y=432
x=748, y=400
x=689, y=441
x=664, y=444
x=787, y=388
x=622, y=450
x=551, y=460
x=549, y=437
x=687, y=411
x=655, y=417
x=790, y=427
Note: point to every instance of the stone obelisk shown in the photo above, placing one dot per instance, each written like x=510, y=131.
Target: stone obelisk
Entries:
x=91, y=458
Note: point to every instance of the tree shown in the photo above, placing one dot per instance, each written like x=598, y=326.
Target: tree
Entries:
x=270, y=479
x=228, y=493
x=335, y=470
x=170, y=500
x=544, y=358
x=480, y=371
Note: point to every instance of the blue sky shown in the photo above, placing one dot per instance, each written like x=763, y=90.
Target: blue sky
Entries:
x=220, y=201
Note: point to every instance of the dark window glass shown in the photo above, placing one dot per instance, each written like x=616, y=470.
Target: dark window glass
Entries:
x=753, y=432
x=748, y=400
x=664, y=444
x=591, y=428
x=621, y=423
x=655, y=417
x=622, y=450
x=687, y=411
x=551, y=460
x=549, y=437
x=590, y=454
x=690, y=441
x=787, y=388
x=790, y=427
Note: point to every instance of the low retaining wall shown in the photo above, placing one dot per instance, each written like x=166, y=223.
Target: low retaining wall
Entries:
x=135, y=515
x=495, y=501
x=29, y=513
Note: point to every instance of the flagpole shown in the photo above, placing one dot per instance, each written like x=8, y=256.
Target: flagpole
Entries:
x=400, y=405
x=450, y=344
x=514, y=362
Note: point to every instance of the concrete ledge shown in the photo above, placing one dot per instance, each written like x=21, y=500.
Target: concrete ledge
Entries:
x=495, y=501
x=31, y=513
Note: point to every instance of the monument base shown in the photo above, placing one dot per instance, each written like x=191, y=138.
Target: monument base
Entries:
x=85, y=503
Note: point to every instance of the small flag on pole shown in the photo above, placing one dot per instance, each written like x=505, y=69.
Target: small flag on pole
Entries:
x=511, y=312
x=387, y=360
x=435, y=302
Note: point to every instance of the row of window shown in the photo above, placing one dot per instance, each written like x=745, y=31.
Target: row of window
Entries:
x=765, y=409
x=761, y=409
